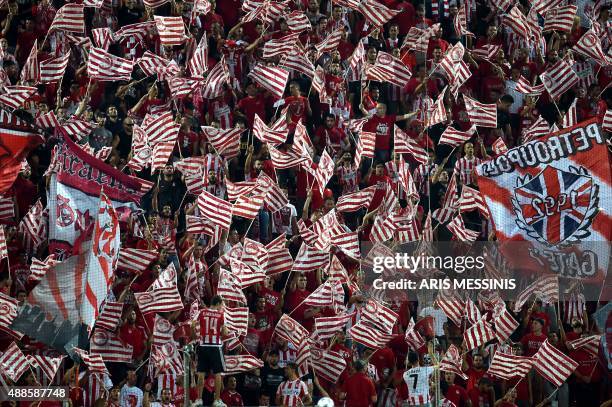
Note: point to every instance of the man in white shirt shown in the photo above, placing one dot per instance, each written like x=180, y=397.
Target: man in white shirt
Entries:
x=417, y=380
x=440, y=322
x=131, y=395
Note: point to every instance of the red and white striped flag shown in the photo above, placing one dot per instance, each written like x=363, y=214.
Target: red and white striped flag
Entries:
x=48, y=365
x=136, y=260
x=560, y=18
x=546, y=288
x=279, y=261
x=559, y=78
x=327, y=327
x=542, y=6
x=478, y=334
x=7, y=207
x=553, y=365
x=516, y=21
x=607, y=121
x=248, y=205
x=52, y=69
x=171, y=30
x=155, y=3
x=499, y=147
x=266, y=134
x=265, y=10
x=507, y=366
x=104, y=66
x=153, y=64
x=413, y=338
x=471, y=200
x=375, y=13
x=452, y=306
x=378, y=315
x=525, y=87
x=451, y=59
x=15, y=96
x=167, y=359
x=503, y=5
x=236, y=319
x=200, y=7
x=163, y=331
x=279, y=46
x=13, y=363
x=589, y=45
x=329, y=43
x=458, y=229
x=504, y=323
x=109, y=346
x=226, y=142
x=159, y=300
x=589, y=344
x=8, y=311
x=427, y=229
x=272, y=79
x=538, y=129
x=481, y=114
x=110, y=316
x=472, y=313
x=437, y=114
x=355, y=201
x=217, y=210
x=387, y=68
x=369, y=336
x=245, y=274
x=69, y=18
x=297, y=22
x=93, y=361
x=198, y=64
x=39, y=268
x=182, y=87
x=102, y=37
x=357, y=60
x=309, y=259
x=229, y=287
x=3, y=244
x=406, y=180
x=460, y=23
x=240, y=364
x=406, y=145
x=291, y=330
x=287, y=159
x=324, y=171
x=327, y=364
x=454, y=137
x=298, y=61
x=571, y=116
x=30, y=70
x=451, y=362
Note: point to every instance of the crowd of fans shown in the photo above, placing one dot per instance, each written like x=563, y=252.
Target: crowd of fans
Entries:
x=381, y=376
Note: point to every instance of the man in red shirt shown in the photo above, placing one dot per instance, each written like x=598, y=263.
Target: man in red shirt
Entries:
x=382, y=124
x=250, y=105
x=456, y=394
x=298, y=107
x=210, y=351
x=135, y=335
x=330, y=135
x=381, y=181
x=295, y=299
x=359, y=389
x=230, y=396
x=483, y=395
x=475, y=372
x=532, y=341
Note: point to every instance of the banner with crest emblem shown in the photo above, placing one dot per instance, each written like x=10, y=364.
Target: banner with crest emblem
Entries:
x=74, y=194
x=551, y=202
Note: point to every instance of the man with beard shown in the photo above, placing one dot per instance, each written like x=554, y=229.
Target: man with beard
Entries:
x=164, y=401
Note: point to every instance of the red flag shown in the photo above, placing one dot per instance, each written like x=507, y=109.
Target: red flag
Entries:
x=499, y=147
x=272, y=79
x=413, y=338
x=267, y=134
x=171, y=30
x=589, y=344
x=330, y=42
x=13, y=363
x=328, y=364
x=291, y=330
x=525, y=87
x=388, y=68
x=241, y=363
x=451, y=362
x=93, y=362
x=560, y=18
x=559, y=78
x=481, y=114
x=508, y=366
x=546, y=288
x=110, y=348
x=369, y=336
x=279, y=46
x=478, y=334
x=217, y=210
x=47, y=364
x=69, y=18
x=110, y=316
x=104, y=66
x=198, y=64
x=30, y=70
x=404, y=144
x=15, y=96
x=590, y=46
x=236, y=319
x=553, y=365
x=504, y=323
x=454, y=137
x=136, y=260
x=471, y=200
x=458, y=229
x=327, y=327
x=225, y=141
